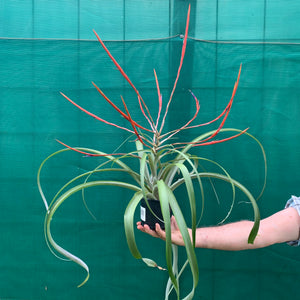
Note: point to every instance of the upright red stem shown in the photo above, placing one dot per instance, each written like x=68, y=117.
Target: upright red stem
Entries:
x=159, y=99
x=227, y=110
x=133, y=124
x=179, y=68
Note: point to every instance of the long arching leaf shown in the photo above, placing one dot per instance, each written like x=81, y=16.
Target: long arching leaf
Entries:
x=167, y=198
x=51, y=211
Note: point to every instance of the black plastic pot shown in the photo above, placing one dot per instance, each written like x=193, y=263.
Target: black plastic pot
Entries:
x=147, y=217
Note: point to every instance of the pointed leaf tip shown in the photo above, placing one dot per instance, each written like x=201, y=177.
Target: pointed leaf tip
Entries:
x=151, y=263
x=84, y=281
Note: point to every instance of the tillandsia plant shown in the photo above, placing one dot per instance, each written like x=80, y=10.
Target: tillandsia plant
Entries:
x=160, y=161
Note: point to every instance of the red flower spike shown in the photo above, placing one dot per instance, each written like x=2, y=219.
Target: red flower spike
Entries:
x=211, y=142
x=141, y=101
x=159, y=98
x=228, y=106
x=180, y=65
x=223, y=140
x=116, y=63
x=132, y=124
x=220, y=127
x=227, y=109
x=94, y=116
x=116, y=108
x=182, y=51
x=110, y=102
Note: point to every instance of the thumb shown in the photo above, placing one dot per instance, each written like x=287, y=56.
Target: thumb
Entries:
x=174, y=225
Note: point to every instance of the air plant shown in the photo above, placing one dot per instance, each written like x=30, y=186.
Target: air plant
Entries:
x=160, y=159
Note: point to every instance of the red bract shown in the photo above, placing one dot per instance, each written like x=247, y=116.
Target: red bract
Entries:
x=180, y=65
x=133, y=124
x=88, y=153
x=227, y=109
x=159, y=100
x=141, y=101
x=93, y=115
x=116, y=108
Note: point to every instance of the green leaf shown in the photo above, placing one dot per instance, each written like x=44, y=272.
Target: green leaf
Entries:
x=191, y=196
x=143, y=167
x=167, y=198
x=129, y=230
x=56, y=204
x=129, y=224
x=165, y=208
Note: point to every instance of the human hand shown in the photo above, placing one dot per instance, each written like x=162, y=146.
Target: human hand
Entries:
x=159, y=233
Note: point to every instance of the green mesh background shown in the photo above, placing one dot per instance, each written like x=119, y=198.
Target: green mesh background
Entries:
x=48, y=46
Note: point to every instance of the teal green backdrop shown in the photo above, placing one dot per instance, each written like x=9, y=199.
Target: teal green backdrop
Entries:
x=47, y=47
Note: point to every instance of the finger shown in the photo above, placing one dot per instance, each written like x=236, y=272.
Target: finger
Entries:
x=174, y=225
x=140, y=227
x=148, y=230
x=161, y=233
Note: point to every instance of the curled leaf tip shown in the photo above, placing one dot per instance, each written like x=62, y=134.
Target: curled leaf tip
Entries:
x=84, y=281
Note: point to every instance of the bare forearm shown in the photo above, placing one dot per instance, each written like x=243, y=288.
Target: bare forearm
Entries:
x=233, y=236
x=278, y=228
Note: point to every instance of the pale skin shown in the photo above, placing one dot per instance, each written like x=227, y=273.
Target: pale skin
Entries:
x=280, y=227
